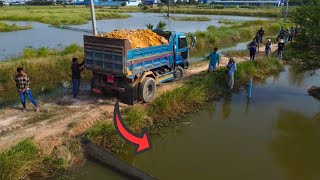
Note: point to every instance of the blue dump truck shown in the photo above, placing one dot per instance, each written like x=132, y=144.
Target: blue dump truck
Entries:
x=134, y=73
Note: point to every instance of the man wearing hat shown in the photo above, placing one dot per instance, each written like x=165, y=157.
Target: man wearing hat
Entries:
x=232, y=68
x=268, y=48
x=280, y=48
x=76, y=70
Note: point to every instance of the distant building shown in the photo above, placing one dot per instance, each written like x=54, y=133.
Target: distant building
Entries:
x=247, y=2
x=113, y=2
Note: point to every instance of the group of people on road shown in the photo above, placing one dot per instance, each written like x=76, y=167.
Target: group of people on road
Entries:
x=284, y=37
x=23, y=84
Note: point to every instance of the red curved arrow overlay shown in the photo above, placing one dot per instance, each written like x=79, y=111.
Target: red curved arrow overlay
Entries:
x=141, y=142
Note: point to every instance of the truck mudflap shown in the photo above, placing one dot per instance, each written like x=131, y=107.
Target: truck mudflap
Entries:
x=129, y=95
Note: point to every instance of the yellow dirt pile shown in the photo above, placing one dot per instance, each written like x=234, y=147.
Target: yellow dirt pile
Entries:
x=140, y=38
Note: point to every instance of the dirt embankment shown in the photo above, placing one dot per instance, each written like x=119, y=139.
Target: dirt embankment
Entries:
x=67, y=118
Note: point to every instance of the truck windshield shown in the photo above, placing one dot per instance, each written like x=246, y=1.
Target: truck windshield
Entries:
x=182, y=42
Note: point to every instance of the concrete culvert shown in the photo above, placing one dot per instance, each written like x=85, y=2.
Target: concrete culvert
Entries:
x=106, y=158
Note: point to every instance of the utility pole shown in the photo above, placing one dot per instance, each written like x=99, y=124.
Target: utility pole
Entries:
x=93, y=18
x=168, y=9
x=286, y=11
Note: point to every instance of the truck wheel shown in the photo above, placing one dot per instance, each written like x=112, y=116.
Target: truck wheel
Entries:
x=147, y=89
x=178, y=73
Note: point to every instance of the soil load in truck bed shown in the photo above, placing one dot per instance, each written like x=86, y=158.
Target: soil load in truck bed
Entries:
x=140, y=38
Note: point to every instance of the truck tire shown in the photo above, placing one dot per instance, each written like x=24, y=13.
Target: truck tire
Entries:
x=178, y=73
x=147, y=89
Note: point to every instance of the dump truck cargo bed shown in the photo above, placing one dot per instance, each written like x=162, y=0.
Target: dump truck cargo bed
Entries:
x=106, y=55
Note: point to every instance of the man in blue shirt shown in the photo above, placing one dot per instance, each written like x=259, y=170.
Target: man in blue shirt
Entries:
x=232, y=68
x=214, y=59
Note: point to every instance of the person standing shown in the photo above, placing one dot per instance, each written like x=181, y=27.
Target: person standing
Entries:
x=258, y=39
x=214, y=59
x=268, y=48
x=261, y=33
x=281, y=45
x=281, y=34
x=292, y=34
x=232, y=68
x=253, y=48
x=286, y=35
x=76, y=70
x=23, y=84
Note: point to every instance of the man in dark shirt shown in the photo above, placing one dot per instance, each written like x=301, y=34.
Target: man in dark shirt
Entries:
x=76, y=70
x=281, y=45
x=253, y=48
x=261, y=33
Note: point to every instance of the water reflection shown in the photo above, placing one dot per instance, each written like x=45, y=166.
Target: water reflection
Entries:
x=226, y=106
x=297, y=145
x=211, y=109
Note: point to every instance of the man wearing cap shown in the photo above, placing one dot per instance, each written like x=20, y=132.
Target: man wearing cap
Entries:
x=231, y=69
x=76, y=70
x=268, y=48
x=280, y=48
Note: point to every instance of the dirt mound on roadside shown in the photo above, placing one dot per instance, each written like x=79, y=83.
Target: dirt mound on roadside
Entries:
x=140, y=38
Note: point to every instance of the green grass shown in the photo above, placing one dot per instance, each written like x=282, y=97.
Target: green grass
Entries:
x=56, y=15
x=226, y=21
x=4, y=27
x=46, y=68
x=235, y=53
x=194, y=18
x=174, y=105
x=20, y=161
x=25, y=159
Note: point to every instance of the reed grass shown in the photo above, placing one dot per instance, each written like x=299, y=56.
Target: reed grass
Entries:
x=25, y=160
x=4, y=27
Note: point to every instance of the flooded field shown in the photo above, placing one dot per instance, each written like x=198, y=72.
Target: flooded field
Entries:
x=42, y=35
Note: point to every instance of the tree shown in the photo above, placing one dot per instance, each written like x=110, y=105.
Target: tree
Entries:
x=306, y=45
x=161, y=25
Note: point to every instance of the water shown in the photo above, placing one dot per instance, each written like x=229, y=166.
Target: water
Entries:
x=274, y=136
x=41, y=35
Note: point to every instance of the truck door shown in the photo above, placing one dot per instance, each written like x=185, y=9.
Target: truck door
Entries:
x=181, y=51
